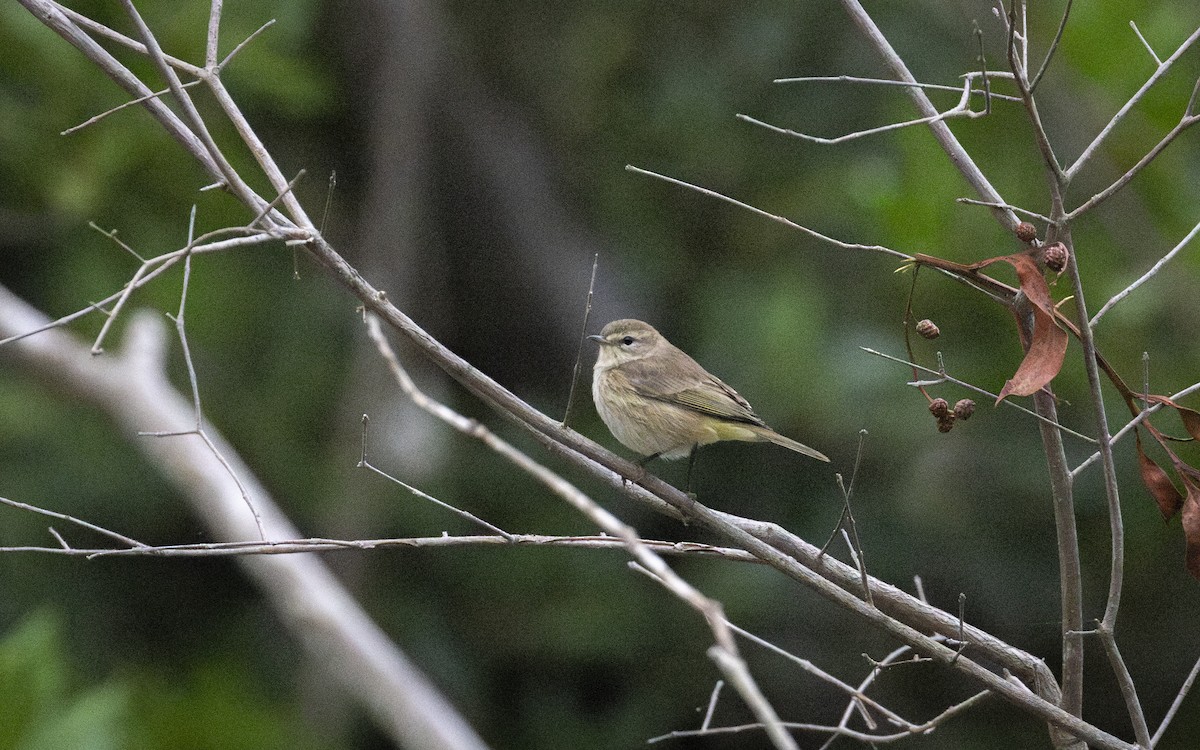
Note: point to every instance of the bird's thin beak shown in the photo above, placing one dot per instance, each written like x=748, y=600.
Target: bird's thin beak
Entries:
x=597, y=338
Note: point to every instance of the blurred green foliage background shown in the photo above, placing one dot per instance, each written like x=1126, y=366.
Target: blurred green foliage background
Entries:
x=479, y=151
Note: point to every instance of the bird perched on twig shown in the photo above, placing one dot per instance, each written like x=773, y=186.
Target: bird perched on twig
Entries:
x=661, y=403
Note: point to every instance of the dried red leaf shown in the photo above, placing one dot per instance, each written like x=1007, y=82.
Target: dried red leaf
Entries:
x=1191, y=525
x=1189, y=417
x=1048, y=346
x=1158, y=483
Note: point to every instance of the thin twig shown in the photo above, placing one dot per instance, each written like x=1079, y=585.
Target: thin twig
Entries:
x=1058, y=35
x=1175, y=704
x=724, y=651
x=851, y=526
x=163, y=262
x=712, y=704
x=1133, y=25
x=181, y=331
x=587, y=314
x=1159, y=72
x=133, y=543
x=100, y=29
x=363, y=463
x=837, y=731
x=943, y=377
x=321, y=545
x=1018, y=47
x=889, y=82
x=1006, y=207
x=243, y=44
x=1184, y=123
x=773, y=217
x=1131, y=424
x=141, y=99
x=1144, y=277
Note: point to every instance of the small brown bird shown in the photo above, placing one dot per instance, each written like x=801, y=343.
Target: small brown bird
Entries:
x=661, y=403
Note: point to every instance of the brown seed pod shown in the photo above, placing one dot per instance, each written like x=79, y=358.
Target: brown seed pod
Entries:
x=945, y=424
x=964, y=408
x=928, y=329
x=1055, y=256
x=939, y=408
x=1026, y=232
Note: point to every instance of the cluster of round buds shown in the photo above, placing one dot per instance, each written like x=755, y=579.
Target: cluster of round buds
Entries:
x=1055, y=256
x=1026, y=232
x=928, y=329
x=940, y=409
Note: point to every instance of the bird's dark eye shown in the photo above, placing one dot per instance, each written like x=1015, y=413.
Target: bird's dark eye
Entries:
x=627, y=340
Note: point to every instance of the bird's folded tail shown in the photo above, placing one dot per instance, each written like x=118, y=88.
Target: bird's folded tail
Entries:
x=787, y=442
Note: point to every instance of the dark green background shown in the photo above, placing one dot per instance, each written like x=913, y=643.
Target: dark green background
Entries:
x=514, y=152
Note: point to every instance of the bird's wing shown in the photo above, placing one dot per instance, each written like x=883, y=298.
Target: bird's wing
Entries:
x=693, y=389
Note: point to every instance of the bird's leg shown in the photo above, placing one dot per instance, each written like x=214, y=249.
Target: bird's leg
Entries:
x=642, y=463
x=691, y=463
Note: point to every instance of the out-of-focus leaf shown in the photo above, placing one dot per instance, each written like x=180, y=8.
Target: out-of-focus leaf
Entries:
x=38, y=711
x=92, y=721
x=1158, y=483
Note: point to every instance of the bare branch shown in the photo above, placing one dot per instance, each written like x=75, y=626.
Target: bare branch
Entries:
x=364, y=464
x=1006, y=207
x=1175, y=704
x=960, y=110
x=60, y=21
x=1159, y=72
x=214, y=29
x=587, y=314
x=1019, y=48
x=133, y=543
x=119, y=107
x=941, y=132
x=163, y=262
x=779, y=219
x=1186, y=122
x=100, y=29
x=723, y=652
x=199, y=430
x=1062, y=26
x=943, y=377
x=1131, y=424
x=1133, y=706
x=889, y=82
x=242, y=44
x=1144, y=277
x=321, y=545
x=1157, y=61
x=839, y=731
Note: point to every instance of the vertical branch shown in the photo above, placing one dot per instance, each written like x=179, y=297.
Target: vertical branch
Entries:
x=1069, y=571
x=1116, y=579
x=214, y=31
